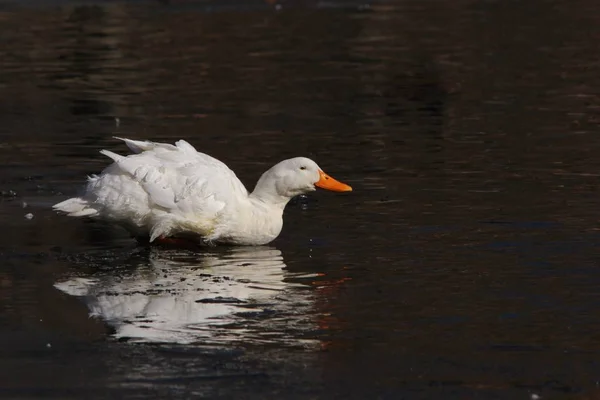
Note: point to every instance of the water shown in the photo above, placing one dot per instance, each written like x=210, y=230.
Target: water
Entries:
x=463, y=265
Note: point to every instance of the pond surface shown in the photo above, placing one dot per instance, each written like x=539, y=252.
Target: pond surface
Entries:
x=465, y=263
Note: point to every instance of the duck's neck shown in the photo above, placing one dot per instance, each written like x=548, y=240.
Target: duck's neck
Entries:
x=269, y=198
x=266, y=191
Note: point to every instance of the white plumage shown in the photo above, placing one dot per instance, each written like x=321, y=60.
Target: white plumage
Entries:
x=166, y=190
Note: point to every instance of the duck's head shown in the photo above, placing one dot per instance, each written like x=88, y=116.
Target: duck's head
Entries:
x=296, y=176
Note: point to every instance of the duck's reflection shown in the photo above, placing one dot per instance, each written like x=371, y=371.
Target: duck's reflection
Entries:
x=242, y=294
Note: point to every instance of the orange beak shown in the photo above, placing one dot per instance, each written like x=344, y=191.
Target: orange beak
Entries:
x=327, y=182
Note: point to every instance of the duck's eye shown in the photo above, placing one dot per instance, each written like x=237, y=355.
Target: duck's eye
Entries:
x=302, y=168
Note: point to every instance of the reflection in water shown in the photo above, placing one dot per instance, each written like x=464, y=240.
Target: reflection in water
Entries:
x=242, y=294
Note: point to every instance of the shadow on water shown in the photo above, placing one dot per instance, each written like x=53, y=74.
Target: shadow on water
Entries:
x=237, y=296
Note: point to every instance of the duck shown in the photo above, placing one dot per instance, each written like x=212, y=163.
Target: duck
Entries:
x=173, y=194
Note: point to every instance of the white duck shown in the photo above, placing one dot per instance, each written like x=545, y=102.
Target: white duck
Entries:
x=167, y=193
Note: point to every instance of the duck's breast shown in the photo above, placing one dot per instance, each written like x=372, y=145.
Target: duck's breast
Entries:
x=248, y=224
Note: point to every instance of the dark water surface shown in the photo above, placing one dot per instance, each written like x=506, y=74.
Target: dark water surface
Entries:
x=465, y=264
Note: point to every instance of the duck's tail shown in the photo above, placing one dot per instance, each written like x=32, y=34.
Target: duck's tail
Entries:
x=76, y=207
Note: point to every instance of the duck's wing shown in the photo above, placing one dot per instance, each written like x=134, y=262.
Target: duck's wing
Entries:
x=186, y=186
x=139, y=146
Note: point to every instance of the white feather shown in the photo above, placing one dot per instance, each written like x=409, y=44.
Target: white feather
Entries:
x=76, y=207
